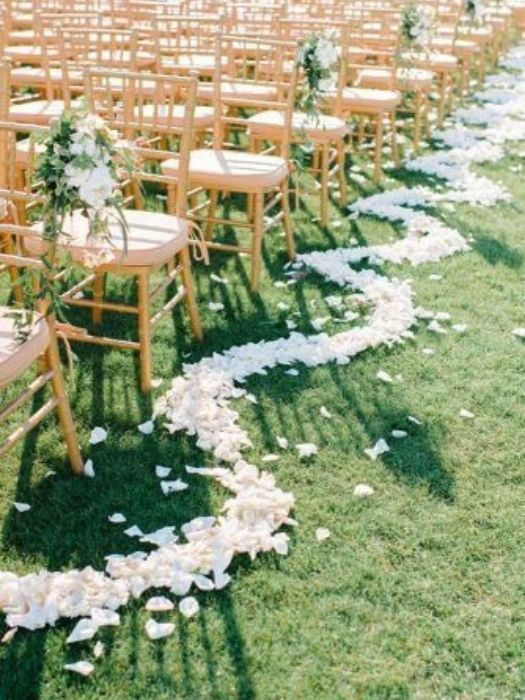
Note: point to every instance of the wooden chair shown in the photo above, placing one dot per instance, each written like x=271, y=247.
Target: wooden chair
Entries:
x=36, y=347
x=155, y=243
x=226, y=169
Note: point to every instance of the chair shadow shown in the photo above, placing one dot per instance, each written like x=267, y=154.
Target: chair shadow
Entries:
x=67, y=527
x=497, y=252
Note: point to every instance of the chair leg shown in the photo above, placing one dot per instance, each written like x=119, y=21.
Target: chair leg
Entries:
x=417, y=121
x=144, y=331
x=191, y=302
x=65, y=417
x=325, y=168
x=257, y=241
x=214, y=197
x=378, y=149
x=287, y=221
x=343, y=187
x=393, y=140
x=98, y=296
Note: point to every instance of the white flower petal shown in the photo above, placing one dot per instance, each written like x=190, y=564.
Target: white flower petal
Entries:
x=98, y=435
x=363, y=491
x=189, y=606
x=83, y=668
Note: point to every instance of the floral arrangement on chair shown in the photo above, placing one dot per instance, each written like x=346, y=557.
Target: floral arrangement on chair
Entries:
x=79, y=169
x=416, y=25
x=475, y=10
x=318, y=58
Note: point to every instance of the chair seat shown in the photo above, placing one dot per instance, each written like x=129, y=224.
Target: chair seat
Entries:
x=152, y=239
x=369, y=101
x=235, y=171
x=323, y=129
x=29, y=54
x=120, y=59
x=34, y=76
x=201, y=62
x=36, y=112
x=433, y=61
x=21, y=36
x=238, y=91
x=412, y=79
x=16, y=356
x=161, y=115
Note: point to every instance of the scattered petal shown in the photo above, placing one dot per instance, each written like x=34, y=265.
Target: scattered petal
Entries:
x=428, y=351
x=519, y=332
x=189, y=606
x=435, y=278
x=218, y=279
x=322, y=533
x=162, y=472
x=325, y=412
x=306, y=449
x=117, y=518
x=8, y=636
x=282, y=442
x=21, y=507
x=459, y=327
x=251, y=398
x=157, y=382
x=103, y=617
x=99, y=649
x=399, y=434
x=363, y=491
x=84, y=629
x=378, y=449
x=414, y=420
x=291, y=325
x=158, y=630
x=172, y=486
x=133, y=531
x=84, y=668
x=98, y=435
x=270, y=458
x=215, y=306
x=292, y=372
x=89, y=469
x=147, y=428
x=384, y=376
x=466, y=414
x=159, y=604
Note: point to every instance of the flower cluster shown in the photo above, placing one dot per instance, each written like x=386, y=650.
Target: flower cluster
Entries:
x=416, y=24
x=78, y=169
x=318, y=58
x=475, y=9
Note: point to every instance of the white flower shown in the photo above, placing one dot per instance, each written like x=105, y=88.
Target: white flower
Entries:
x=98, y=187
x=378, y=449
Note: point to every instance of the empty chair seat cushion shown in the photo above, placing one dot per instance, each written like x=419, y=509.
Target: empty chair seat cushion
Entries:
x=321, y=128
x=405, y=78
x=17, y=355
x=152, y=239
x=367, y=101
x=235, y=171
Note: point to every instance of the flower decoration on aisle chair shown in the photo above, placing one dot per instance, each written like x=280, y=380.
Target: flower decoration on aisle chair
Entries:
x=82, y=175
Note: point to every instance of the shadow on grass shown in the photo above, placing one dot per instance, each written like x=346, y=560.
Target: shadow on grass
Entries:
x=497, y=252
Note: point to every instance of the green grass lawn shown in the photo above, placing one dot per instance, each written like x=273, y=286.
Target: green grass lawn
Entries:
x=419, y=592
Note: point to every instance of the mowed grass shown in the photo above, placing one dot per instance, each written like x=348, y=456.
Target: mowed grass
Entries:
x=419, y=592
